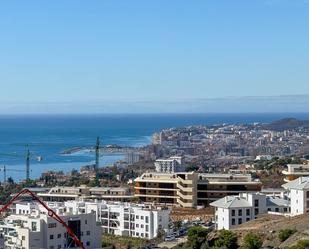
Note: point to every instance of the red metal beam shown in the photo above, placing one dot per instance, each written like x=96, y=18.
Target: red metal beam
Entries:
x=51, y=213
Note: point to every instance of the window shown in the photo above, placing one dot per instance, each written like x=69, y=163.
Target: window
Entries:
x=247, y=212
x=142, y=217
x=147, y=228
x=285, y=209
x=307, y=194
x=88, y=243
x=137, y=217
x=33, y=226
x=88, y=233
x=86, y=222
x=51, y=236
x=256, y=211
x=233, y=221
x=59, y=246
x=23, y=238
x=147, y=235
x=52, y=225
x=142, y=226
x=268, y=209
x=233, y=212
x=256, y=203
x=142, y=235
x=247, y=219
x=239, y=212
x=137, y=225
x=59, y=235
x=147, y=219
x=276, y=209
x=239, y=220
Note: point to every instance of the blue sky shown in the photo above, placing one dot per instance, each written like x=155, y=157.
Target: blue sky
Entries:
x=85, y=55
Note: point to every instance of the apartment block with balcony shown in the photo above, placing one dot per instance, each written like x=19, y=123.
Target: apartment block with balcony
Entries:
x=63, y=193
x=167, y=188
x=191, y=189
x=170, y=165
x=211, y=187
x=31, y=227
x=294, y=171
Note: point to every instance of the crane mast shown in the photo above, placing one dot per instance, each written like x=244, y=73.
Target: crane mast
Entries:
x=97, y=161
x=28, y=165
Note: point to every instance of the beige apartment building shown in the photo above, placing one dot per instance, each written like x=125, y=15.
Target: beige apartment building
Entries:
x=191, y=189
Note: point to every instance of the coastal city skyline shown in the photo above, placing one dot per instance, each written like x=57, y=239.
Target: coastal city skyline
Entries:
x=154, y=56
x=154, y=124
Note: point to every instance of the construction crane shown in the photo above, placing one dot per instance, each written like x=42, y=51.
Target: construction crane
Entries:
x=4, y=169
x=97, y=161
x=51, y=213
x=28, y=159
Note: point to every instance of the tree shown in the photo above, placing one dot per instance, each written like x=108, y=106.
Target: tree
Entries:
x=226, y=239
x=177, y=224
x=284, y=234
x=252, y=241
x=197, y=236
x=10, y=181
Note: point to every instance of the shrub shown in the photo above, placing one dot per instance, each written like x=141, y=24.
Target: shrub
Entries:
x=302, y=244
x=197, y=237
x=226, y=239
x=284, y=234
x=252, y=241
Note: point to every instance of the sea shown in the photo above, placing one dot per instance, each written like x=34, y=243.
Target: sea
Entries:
x=48, y=135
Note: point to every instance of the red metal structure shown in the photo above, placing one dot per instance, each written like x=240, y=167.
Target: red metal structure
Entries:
x=51, y=213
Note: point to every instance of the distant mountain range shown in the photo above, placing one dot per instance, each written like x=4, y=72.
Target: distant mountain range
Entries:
x=287, y=124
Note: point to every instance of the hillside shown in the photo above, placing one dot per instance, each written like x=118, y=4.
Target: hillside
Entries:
x=268, y=226
x=286, y=124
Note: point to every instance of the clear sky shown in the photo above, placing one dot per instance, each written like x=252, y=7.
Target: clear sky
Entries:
x=71, y=53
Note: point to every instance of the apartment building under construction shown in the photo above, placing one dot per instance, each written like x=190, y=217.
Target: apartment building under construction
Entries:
x=191, y=189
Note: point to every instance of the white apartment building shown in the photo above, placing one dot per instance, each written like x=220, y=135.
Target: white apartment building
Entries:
x=141, y=221
x=235, y=210
x=124, y=219
x=170, y=165
x=32, y=228
x=298, y=190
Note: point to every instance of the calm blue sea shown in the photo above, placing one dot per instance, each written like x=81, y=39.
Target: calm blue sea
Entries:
x=48, y=135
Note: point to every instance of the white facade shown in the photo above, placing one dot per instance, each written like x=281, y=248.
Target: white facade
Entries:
x=235, y=210
x=32, y=228
x=126, y=219
x=170, y=165
x=115, y=218
x=299, y=195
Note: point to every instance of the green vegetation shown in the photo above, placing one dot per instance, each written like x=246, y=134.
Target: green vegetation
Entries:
x=252, y=241
x=227, y=240
x=113, y=241
x=197, y=236
x=284, y=234
x=302, y=244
